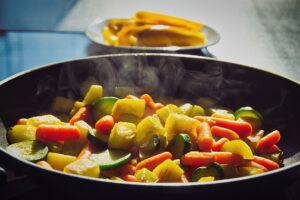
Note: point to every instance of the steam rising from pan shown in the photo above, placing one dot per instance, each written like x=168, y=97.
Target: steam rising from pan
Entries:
x=161, y=77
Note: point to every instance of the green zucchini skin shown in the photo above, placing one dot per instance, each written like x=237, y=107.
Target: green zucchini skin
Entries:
x=213, y=169
x=180, y=145
x=152, y=144
x=247, y=112
x=110, y=159
x=97, y=140
x=251, y=116
x=103, y=106
x=30, y=150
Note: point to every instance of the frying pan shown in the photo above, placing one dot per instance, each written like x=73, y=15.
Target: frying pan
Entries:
x=172, y=76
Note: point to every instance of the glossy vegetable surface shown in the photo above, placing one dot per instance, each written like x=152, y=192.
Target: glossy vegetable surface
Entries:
x=29, y=150
x=130, y=139
x=110, y=159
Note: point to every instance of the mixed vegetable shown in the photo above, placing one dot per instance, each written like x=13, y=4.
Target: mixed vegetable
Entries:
x=154, y=30
x=139, y=140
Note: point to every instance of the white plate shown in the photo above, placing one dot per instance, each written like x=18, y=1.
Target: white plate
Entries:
x=94, y=33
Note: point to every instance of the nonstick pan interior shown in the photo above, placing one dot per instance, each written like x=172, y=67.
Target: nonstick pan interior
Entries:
x=165, y=76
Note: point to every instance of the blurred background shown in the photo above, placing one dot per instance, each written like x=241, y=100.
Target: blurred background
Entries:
x=261, y=33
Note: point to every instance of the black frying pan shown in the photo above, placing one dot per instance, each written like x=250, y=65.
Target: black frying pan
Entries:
x=162, y=75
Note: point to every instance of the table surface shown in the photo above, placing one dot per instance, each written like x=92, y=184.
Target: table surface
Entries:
x=263, y=34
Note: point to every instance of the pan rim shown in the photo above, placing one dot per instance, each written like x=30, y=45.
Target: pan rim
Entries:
x=179, y=55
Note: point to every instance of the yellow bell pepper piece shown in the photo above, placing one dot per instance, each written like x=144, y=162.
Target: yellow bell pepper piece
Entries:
x=229, y=116
x=145, y=175
x=206, y=179
x=43, y=119
x=129, y=118
x=59, y=161
x=147, y=128
x=19, y=133
x=168, y=171
x=239, y=147
x=122, y=136
x=164, y=112
x=95, y=92
x=84, y=167
x=179, y=123
x=191, y=110
x=146, y=17
x=129, y=106
x=83, y=129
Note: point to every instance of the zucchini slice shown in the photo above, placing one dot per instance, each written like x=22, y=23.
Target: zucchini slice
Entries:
x=110, y=159
x=247, y=112
x=180, y=145
x=100, y=140
x=215, y=170
x=103, y=106
x=30, y=150
x=152, y=144
x=251, y=116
